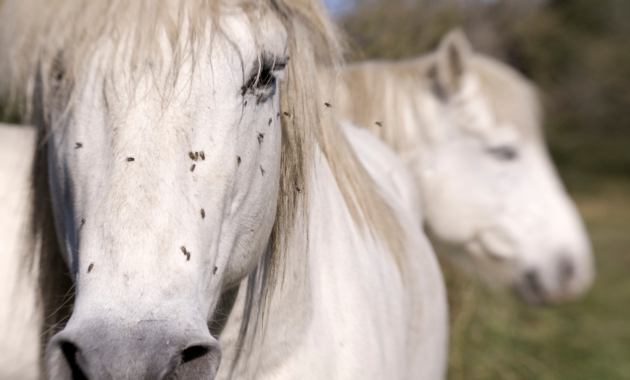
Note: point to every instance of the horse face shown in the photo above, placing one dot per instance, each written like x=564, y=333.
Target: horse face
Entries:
x=493, y=190
x=164, y=196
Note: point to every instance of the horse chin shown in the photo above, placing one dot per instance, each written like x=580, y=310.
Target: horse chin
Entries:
x=472, y=258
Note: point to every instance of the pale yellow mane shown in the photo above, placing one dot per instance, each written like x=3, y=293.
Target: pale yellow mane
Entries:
x=390, y=93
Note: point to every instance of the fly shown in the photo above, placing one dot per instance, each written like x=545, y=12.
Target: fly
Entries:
x=186, y=253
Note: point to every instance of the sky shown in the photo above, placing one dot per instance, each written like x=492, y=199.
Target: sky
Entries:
x=339, y=7
x=342, y=7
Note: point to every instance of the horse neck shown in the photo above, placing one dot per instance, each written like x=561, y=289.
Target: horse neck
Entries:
x=296, y=320
x=250, y=341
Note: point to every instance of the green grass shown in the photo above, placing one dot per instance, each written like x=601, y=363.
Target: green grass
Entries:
x=495, y=336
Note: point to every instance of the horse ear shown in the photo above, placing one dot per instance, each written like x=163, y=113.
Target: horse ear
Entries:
x=452, y=61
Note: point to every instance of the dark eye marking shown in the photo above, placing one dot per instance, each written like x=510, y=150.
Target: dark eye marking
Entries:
x=58, y=70
x=503, y=153
x=263, y=76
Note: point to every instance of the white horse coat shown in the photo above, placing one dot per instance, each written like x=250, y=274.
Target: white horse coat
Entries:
x=200, y=160
x=20, y=343
x=357, y=308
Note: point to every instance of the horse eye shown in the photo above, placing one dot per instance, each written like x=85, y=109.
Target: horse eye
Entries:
x=260, y=80
x=504, y=153
x=263, y=79
x=58, y=76
x=266, y=78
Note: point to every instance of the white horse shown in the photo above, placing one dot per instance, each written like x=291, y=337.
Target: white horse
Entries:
x=207, y=205
x=18, y=337
x=468, y=127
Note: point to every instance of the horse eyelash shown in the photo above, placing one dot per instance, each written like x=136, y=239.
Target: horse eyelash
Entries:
x=263, y=78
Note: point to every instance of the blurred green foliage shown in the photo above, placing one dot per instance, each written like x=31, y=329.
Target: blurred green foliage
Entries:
x=577, y=51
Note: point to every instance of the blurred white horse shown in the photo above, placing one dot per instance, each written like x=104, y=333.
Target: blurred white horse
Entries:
x=205, y=204
x=468, y=127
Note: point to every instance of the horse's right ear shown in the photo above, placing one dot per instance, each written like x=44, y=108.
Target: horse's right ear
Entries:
x=452, y=61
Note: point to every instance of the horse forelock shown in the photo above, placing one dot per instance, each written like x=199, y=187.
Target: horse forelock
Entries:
x=51, y=40
x=513, y=98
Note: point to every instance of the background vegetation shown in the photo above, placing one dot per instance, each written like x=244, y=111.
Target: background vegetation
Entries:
x=578, y=52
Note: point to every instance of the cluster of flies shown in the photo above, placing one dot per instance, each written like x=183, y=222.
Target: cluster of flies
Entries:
x=195, y=157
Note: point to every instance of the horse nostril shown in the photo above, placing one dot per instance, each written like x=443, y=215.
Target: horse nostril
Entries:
x=70, y=352
x=566, y=271
x=536, y=289
x=194, y=361
x=193, y=352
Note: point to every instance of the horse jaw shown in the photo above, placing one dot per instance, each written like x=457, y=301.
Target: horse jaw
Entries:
x=162, y=200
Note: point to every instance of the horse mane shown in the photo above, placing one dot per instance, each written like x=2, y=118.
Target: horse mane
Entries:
x=51, y=40
x=391, y=93
x=512, y=97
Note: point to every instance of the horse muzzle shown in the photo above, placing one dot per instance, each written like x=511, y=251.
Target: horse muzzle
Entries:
x=148, y=350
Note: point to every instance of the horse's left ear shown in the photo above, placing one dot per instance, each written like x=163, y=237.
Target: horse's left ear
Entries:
x=452, y=61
